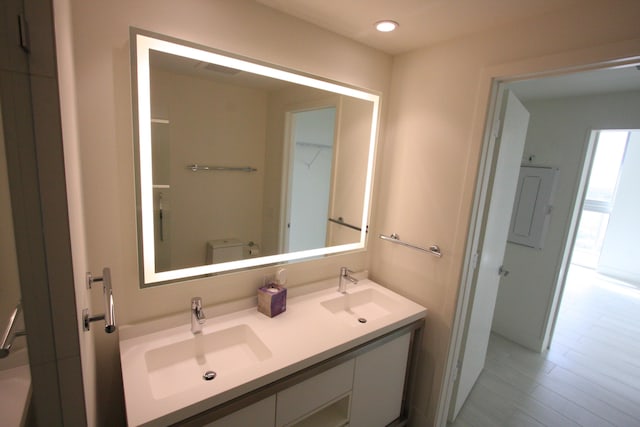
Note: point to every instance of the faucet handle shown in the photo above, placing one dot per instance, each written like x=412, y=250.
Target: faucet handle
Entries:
x=344, y=271
x=196, y=303
x=196, y=308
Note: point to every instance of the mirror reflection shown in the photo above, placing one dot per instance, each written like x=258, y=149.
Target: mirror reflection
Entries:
x=241, y=164
x=15, y=374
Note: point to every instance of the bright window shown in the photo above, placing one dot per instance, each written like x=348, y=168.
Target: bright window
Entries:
x=606, y=165
x=601, y=191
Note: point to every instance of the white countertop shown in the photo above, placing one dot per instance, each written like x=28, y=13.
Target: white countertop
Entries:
x=305, y=334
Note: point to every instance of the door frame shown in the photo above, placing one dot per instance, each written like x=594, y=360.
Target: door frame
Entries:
x=287, y=160
x=572, y=234
x=574, y=224
x=492, y=82
x=291, y=147
x=29, y=92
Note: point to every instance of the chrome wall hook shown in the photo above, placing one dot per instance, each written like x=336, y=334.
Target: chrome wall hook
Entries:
x=109, y=315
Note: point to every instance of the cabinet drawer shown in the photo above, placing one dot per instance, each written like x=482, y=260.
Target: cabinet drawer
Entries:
x=313, y=393
x=260, y=414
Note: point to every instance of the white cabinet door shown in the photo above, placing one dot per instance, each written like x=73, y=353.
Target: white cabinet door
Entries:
x=378, y=384
x=260, y=414
x=306, y=397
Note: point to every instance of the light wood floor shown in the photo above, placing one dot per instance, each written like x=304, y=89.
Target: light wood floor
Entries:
x=589, y=377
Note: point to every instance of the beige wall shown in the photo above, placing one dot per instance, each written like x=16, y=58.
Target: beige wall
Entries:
x=428, y=160
x=288, y=99
x=101, y=34
x=205, y=127
x=350, y=169
x=103, y=155
x=210, y=124
x=353, y=126
x=438, y=103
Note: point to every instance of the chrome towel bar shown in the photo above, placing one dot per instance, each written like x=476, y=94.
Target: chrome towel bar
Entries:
x=195, y=168
x=346, y=224
x=394, y=238
x=109, y=315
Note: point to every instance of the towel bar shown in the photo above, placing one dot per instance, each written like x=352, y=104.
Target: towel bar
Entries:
x=394, y=238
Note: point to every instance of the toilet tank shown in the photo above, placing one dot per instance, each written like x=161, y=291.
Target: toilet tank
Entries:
x=224, y=250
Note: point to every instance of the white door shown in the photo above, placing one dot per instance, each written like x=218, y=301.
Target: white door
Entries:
x=312, y=156
x=515, y=120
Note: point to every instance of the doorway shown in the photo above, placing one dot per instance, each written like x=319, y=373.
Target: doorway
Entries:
x=590, y=374
x=311, y=148
x=604, y=278
x=600, y=197
x=535, y=276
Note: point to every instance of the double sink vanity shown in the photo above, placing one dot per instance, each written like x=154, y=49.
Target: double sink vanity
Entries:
x=331, y=359
x=213, y=199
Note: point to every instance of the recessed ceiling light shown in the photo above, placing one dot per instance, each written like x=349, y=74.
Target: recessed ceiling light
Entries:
x=386, y=26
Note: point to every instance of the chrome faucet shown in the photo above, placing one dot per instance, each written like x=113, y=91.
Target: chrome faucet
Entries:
x=197, y=315
x=345, y=274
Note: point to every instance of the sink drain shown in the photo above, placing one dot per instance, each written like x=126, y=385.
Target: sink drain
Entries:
x=209, y=375
x=362, y=320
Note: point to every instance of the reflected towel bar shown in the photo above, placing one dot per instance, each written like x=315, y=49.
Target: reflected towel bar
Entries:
x=394, y=238
x=10, y=333
x=195, y=168
x=340, y=221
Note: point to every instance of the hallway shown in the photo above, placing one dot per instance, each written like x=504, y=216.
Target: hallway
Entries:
x=589, y=377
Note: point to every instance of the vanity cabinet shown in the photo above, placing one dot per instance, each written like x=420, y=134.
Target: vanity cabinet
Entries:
x=331, y=359
x=366, y=390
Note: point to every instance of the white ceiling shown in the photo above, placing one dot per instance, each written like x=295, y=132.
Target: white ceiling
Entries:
x=422, y=22
x=427, y=22
x=577, y=84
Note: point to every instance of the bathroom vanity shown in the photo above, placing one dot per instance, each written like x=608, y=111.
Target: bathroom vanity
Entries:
x=338, y=355
x=331, y=359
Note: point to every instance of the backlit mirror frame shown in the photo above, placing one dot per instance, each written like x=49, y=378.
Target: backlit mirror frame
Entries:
x=142, y=42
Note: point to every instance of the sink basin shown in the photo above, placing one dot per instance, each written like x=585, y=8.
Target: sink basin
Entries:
x=180, y=366
x=360, y=307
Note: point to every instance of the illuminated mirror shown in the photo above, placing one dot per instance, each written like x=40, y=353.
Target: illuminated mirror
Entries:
x=242, y=164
